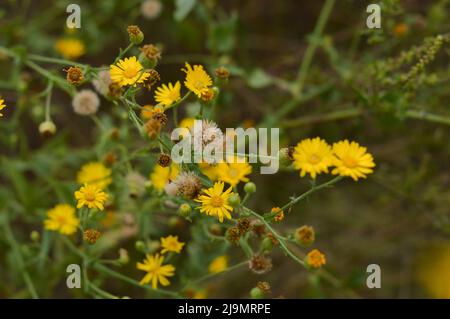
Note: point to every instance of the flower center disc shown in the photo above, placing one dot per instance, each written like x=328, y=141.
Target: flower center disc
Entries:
x=216, y=201
x=89, y=196
x=350, y=162
x=130, y=73
x=314, y=159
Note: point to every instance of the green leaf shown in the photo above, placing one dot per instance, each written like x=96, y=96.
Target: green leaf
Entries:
x=183, y=8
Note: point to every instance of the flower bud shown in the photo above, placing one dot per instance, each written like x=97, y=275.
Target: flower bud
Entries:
x=267, y=244
x=136, y=35
x=256, y=293
x=185, y=210
x=285, y=156
x=140, y=246
x=305, y=235
x=35, y=236
x=47, y=128
x=123, y=256
x=150, y=54
x=250, y=188
x=234, y=200
x=74, y=75
x=164, y=160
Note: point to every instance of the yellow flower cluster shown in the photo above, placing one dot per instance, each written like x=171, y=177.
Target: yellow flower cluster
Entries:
x=2, y=105
x=315, y=156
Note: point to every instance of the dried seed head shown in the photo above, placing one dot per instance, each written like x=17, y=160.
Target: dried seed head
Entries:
x=91, y=236
x=222, y=73
x=171, y=189
x=164, y=160
x=74, y=75
x=260, y=264
x=136, y=184
x=47, y=128
x=188, y=184
x=151, y=9
x=233, y=235
x=101, y=84
x=305, y=235
x=85, y=102
x=243, y=225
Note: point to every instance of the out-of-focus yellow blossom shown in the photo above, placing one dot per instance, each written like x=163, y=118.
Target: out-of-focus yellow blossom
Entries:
x=218, y=264
x=94, y=173
x=171, y=244
x=70, y=48
x=62, y=219
x=163, y=175
x=433, y=271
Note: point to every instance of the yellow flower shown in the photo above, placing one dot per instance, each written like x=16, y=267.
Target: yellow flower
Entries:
x=209, y=170
x=233, y=172
x=168, y=94
x=215, y=202
x=162, y=175
x=128, y=71
x=91, y=197
x=62, y=218
x=433, y=271
x=197, y=80
x=156, y=271
x=315, y=259
x=352, y=160
x=96, y=174
x=218, y=264
x=312, y=156
x=171, y=243
x=147, y=111
x=70, y=48
x=279, y=214
x=2, y=105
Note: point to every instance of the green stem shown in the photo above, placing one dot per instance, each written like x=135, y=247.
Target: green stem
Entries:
x=422, y=115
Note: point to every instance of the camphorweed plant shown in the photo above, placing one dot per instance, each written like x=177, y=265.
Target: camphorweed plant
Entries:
x=124, y=211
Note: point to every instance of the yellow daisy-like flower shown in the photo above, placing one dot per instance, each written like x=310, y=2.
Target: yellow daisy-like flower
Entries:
x=233, y=172
x=168, y=94
x=91, y=197
x=352, y=160
x=128, y=71
x=215, y=202
x=433, y=270
x=197, y=80
x=162, y=175
x=312, y=156
x=171, y=243
x=62, y=219
x=2, y=105
x=96, y=174
x=156, y=271
x=315, y=259
x=209, y=170
x=218, y=264
x=70, y=49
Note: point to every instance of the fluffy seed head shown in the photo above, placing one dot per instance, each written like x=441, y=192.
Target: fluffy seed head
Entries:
x=85, y=102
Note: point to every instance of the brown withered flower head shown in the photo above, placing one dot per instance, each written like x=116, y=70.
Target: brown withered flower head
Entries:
x=260, y=264
x=151, y=52
x=208, y=95
x=274, y=240
x=152, y=79
x=164, y=160
x=114, y=90
x=160, y=117
x=243, y=225
x=264, y=286
x=258, y=228
x=233, y=235
x=305, y=235
x=110, y=158
x=91, y=236
x=74, y=75
x=222, y=72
